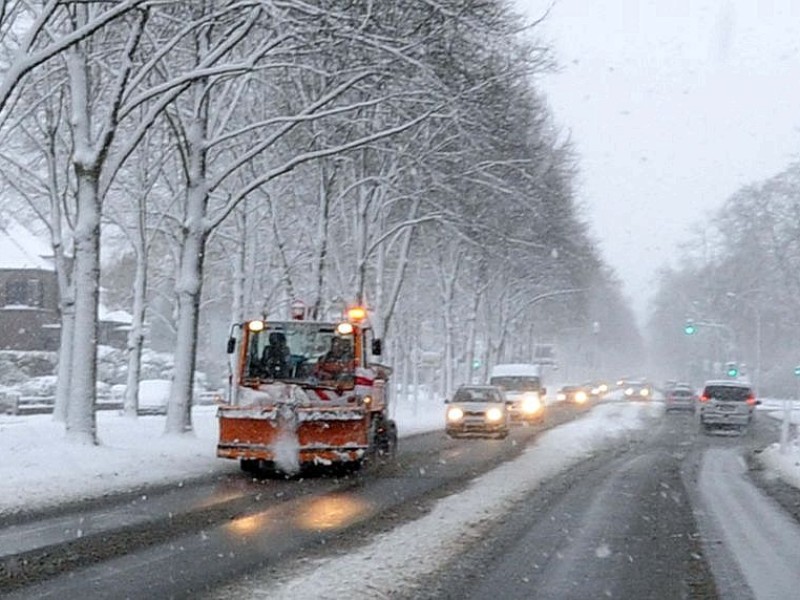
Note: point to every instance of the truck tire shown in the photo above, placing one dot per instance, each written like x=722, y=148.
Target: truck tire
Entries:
x=383, y=441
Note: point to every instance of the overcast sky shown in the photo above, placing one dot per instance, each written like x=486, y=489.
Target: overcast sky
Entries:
x=672, y=105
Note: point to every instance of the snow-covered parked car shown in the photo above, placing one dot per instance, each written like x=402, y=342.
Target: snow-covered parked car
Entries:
x=153, y=396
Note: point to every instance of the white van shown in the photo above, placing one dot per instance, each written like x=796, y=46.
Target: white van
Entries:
x=522, y=385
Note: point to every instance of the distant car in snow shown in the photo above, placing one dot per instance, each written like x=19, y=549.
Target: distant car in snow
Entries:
x=574, y=394
x=680, y=397
x=638, y=390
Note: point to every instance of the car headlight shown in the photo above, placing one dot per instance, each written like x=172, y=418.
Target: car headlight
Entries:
x=629, y=391
x=580, y=397
x=603, y=388
x=561, y=396
x=644, y=392
x=494, y=414
x=531, y=403
x=455, y=414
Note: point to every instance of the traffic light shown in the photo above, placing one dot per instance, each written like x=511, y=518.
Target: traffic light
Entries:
x=689, y=328
x=797, y=371
x=731, y=369
x=476, y=364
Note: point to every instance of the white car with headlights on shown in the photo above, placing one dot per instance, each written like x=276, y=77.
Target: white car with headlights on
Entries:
x=477, y=411
x=522, y=385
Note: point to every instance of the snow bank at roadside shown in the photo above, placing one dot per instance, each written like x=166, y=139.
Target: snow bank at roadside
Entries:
x=455, y=520
x=786, y=466
x=40, y=469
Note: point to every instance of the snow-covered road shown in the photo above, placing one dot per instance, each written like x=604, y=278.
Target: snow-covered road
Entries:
x=762, y=539
x=421, y=547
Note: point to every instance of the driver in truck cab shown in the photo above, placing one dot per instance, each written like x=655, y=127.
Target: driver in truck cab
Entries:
x=338, y=362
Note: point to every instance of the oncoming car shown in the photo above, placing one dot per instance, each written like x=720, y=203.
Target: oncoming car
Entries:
x=638, y=390
x=573, y=394
x=523, y=389
x=477, y=411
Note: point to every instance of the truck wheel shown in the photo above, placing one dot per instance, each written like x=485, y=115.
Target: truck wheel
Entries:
x=383, y=441
x=249, y=465
x=387, y=443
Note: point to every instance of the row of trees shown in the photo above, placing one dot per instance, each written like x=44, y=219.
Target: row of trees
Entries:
x=233, y=155
x=740, y=280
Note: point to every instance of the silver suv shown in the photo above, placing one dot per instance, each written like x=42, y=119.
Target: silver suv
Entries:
x=726, y=405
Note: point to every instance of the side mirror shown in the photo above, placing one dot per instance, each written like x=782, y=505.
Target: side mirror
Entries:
x=446, y=400
x=231, y=345
x=377, y=347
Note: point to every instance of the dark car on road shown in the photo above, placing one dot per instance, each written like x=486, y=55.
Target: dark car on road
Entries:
x=637, y=390
x=726, y=405
x=573, y=394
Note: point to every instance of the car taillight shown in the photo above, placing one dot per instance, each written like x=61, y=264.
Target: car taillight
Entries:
x=703, y=398
x=751, y=399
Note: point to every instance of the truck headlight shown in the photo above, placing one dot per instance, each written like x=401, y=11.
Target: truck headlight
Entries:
x=580, y=397
x=531, y=403
x=455, y=414
x=494, y=414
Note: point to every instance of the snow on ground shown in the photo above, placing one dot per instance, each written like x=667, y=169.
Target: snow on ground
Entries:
x=764, y=547
x=784, y=465
x=39, y=468
x=456, y=520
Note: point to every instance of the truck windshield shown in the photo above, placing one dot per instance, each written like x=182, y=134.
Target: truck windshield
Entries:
x=301, y=352
x=517, y=384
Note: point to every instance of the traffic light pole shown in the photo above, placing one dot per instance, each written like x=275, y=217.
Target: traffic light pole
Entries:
x=693, y=327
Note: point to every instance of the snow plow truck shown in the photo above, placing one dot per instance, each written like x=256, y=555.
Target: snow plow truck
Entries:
x=305, y=392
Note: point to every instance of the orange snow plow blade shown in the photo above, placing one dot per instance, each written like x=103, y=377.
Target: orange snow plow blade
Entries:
x=320, y=436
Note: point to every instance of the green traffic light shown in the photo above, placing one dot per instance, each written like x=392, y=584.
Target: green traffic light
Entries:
x=689, y=329
x=797, y=371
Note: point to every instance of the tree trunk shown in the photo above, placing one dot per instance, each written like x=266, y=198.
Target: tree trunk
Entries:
x=81, y=422
x=136, y=335
x=64, y=356
x=189, y=283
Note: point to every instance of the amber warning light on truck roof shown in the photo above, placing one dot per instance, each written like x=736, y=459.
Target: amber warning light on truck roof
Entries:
x=356, y=314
